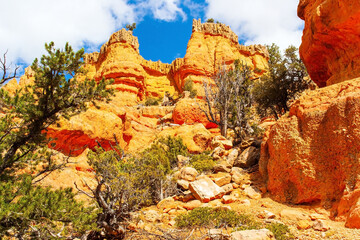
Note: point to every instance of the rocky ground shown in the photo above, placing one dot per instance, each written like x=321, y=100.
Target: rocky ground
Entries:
x=241, y=190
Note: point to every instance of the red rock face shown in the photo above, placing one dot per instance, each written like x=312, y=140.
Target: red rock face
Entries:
x=312, y=155
x=331, y=40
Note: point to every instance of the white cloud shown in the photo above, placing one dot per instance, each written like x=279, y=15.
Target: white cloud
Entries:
x=25, y=25
x=260, y=21
x=166, y=10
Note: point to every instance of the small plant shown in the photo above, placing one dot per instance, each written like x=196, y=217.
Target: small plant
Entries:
x=189, y=86
x=131, y=27
x=202, y=162
x=214, y=217
x=210, y=20
x=152, y=101
x=281, y=231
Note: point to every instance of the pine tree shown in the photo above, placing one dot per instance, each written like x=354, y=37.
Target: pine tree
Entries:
x=282, y=83
x=35, y=212
x=56, y=92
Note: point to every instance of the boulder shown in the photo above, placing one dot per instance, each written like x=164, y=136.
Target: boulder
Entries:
x=218, y=153
x=188, y=174
x=183, y=184
x=310, y=154
x=221, y=141
x=221, y=178
x=304, y=224
x=232, y=156
x=226, y=199
x=238, y=175
x=252, y=192
x=192, y=204
x=166, y=203
x=205, y=190
x=222, y=166
x=248, y=158
x=353, y=221
x=262, y=234
x=228, y=188
x=320, y=225
x=331, y=40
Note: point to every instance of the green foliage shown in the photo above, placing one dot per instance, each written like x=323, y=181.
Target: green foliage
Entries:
x=131, y=27
x=281, y=231
x=214, y=217
x=55, y=92
x=52, y=95
x=210, y=20
x=189, y=86
x=202, y=162
x=283, y=82
x=152, y=101
x=127, y=184
x=23, y=205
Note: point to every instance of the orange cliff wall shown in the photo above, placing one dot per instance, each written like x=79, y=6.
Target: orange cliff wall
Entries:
x=311, y=155
x=330, y=45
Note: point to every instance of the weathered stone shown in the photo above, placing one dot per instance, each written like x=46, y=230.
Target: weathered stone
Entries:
x=249, y=157
x=217, y=234
x=266, y=215
x=166, y=203
x=221, y=178
x=222, y=166
x=237, y=175
x=226, y=199
x=331, y=39
x=353, y=221
x=252, y=192
x=262, y=234
x=183, y=184
x=188, y=174
x=321, y=136
x=185, y=197
x=218, y=153
x=205, y=190
x=304, y=224
x=320, y=225
x=192, y=204
x=232, y=156
x=227, y=188
x=220, y=141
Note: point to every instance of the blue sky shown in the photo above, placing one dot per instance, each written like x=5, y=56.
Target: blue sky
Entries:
x=163, y=26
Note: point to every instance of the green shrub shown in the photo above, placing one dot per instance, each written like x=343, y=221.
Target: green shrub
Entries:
x=46, y=210
x=189, y=86
x=214, y=217
x=281, y=231
x=202, y=162
x=152, y=101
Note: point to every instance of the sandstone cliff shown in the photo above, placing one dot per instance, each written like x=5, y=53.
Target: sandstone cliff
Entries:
x=311, y=155
x=136, y=79
x=331, y=41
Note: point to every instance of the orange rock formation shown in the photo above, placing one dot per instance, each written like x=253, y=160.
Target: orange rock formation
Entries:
x=136, y=79
x=312, y=154
x=331, y=41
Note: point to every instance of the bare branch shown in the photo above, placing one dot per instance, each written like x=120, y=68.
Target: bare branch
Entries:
x=4, y=68
x=82, y=191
